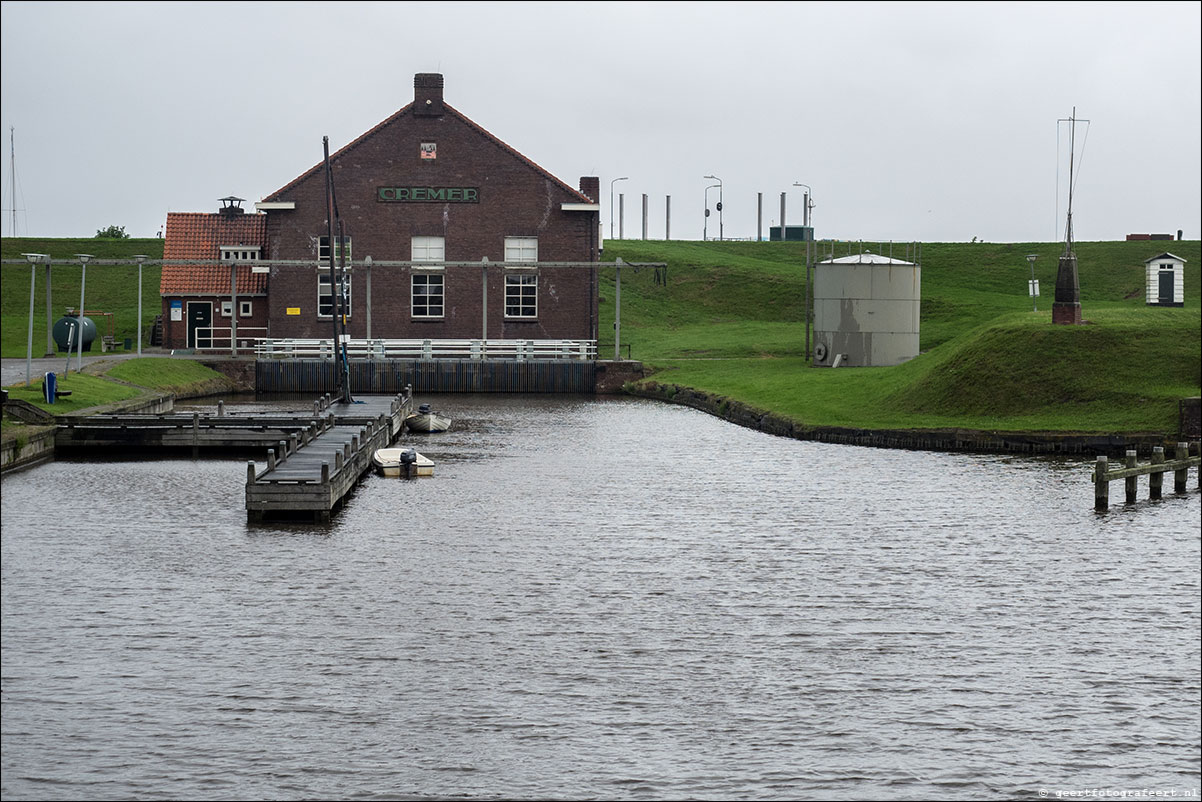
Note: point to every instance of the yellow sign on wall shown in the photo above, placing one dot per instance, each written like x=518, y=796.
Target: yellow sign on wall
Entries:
x=294, y=310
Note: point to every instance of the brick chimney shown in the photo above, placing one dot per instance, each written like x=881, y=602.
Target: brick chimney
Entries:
x=590, y=187
x=427, y=94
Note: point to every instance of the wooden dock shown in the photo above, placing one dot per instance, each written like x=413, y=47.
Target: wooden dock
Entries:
x=1130, y=472
x=314, y=460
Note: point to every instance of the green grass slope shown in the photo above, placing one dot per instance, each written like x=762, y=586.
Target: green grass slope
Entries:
x=109, y=288
x=729, y=321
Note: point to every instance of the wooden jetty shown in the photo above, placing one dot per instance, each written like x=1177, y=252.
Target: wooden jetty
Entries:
x=1103, y=475
x=313, y=460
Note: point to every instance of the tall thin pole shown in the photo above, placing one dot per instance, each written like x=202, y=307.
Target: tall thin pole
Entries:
x=140, y=259
x=83, y=277
x=33, y=272
x=13, y=150
x=617, y=308
x=667, y=218
x=49, y=307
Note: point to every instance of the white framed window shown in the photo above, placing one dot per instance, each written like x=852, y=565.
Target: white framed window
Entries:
x=239, y=253
x=521, y=249
x=428, y=297
x=521, y=295
x=325, y=300
x=428, y=249
x=227, y=308
x=341, y=245
x=245, y=308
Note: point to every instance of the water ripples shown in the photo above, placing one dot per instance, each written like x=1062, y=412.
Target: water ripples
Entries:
x=600, y=599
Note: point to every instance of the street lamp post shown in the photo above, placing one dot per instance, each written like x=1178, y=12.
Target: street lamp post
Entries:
x=34, y=259
x=83, y=277
x=1033, y=288
x=611, y=203
x=141, y=258
x=719, y=180
x=705, y=226
x=807, y=203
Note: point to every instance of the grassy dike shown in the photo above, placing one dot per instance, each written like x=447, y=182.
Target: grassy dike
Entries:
x=729, y=323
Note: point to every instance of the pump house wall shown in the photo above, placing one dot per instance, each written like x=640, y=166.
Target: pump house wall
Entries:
x=513, y=197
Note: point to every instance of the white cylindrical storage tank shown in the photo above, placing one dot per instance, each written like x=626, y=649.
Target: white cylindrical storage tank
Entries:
x=866, y=311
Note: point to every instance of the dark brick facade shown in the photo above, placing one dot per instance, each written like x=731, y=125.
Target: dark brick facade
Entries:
x=512, y=197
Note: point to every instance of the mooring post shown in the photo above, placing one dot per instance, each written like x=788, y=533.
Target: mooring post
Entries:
x=195, y=430
x=1156, y=478
x=292, y=441
x=325, y=473
x=270, y=459
x=250, y=472
x=316, y=407
x=283, y=447
x=1181, y=475
x=220, y=409
x=337, y=461
x=1101, y=485
x=1132, y=482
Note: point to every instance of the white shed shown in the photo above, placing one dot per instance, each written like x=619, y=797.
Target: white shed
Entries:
x=1166, y=280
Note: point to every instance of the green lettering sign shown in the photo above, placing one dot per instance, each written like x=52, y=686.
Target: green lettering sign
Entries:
x=428, y=194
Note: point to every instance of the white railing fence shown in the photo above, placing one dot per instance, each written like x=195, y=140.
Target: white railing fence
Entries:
x=267, y=348
x=217, y=338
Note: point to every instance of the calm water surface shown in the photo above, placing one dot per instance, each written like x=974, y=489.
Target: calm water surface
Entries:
x=602, y=599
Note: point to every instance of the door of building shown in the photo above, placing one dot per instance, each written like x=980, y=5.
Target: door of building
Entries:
x=200, y=324
x=1166, y=286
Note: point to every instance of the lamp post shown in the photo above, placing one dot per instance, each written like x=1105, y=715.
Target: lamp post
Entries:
x=719, y=180
x=141, y=258
x=34, y=259
x=705, y=226
x=806, y=203
x=1033, y=288
x=83, y=277
x=611, y=204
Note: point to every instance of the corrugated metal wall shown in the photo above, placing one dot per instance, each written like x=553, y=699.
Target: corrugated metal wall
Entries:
x=428, y=376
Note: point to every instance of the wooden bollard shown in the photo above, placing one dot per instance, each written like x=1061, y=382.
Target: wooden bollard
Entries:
x=355, y=443
x=292, y=440
x=325, y=473
x=271, y=459
x=1156, y=478
x=1181, y=475
x=250, y=472
x=346, y=452
x=220, y=409
x=338, y=460
x=283, y=450
x=316, y=407
x=1132, y=482
x=1101, y=487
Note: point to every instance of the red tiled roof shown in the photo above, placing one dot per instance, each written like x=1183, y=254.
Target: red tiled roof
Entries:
x=200, y=235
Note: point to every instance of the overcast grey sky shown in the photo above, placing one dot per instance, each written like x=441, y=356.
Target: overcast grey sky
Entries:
x=910, y=121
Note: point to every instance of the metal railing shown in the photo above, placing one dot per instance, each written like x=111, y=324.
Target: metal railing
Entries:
x=217, y=338
x=428, y=349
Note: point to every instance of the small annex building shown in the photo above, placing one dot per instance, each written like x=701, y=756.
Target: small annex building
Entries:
x=200, y=249
x=1165, y=280
x=447, y=233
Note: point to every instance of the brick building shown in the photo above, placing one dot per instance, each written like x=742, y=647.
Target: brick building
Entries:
x=198, y=298
x=425, y=189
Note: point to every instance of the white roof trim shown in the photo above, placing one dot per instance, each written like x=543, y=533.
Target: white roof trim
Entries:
x=866, y=259
x=264, y=206
x=580, y=207
x=1165, y=256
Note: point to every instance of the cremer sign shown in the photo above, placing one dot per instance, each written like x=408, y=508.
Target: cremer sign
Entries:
x=428, y=194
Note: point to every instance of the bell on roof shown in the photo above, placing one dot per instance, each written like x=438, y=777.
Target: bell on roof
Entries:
x=232, y=205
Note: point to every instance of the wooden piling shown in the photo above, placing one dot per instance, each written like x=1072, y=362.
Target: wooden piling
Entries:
x=1132, y=482
x=1101, y=487
x=1156, y=478
x=1181, y=475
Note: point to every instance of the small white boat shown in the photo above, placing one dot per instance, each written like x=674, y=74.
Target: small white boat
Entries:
x=402, y=462
x=427, y=420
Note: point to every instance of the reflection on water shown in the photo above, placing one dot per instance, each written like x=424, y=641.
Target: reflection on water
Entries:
x=601, y=599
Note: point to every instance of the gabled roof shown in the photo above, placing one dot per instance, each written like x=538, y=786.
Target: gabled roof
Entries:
x=448, y=110
x=1165, y=255
x=200, y=235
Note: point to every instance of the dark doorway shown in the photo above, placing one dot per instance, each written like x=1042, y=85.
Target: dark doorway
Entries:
x=200, y=323
x=1166, y=287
